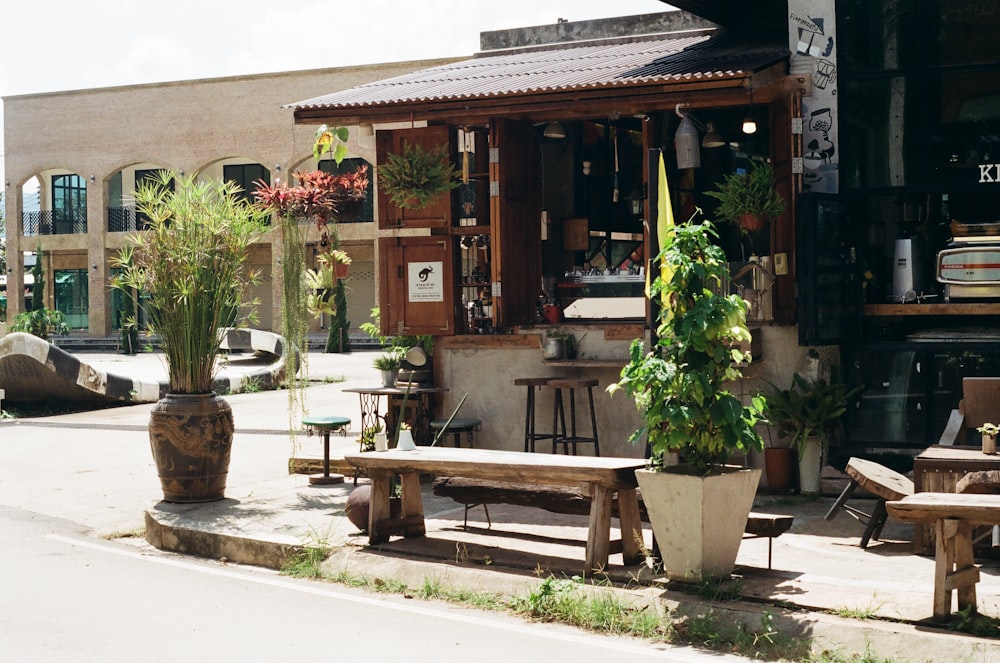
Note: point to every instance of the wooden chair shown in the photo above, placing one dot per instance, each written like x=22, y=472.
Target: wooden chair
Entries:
x=880, y=481
x=980, y=403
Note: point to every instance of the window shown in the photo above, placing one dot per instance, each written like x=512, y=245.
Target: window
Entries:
x=69, y=205
x=246, y=175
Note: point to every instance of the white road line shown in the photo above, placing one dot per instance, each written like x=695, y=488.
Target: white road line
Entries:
x=678, y=654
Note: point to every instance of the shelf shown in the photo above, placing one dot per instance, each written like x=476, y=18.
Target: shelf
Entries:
x=977, y=308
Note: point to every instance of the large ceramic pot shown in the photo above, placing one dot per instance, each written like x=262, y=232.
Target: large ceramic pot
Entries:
x=191, y=436
x=698, y=521
x=810, y=464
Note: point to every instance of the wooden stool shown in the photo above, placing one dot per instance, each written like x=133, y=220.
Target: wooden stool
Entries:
x=559, y=432
x=457, y=427
x=530, y=435
x=325, y=426
x=879, y=480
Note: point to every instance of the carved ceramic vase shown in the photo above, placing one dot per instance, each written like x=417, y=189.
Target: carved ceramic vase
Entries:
x=191, y=436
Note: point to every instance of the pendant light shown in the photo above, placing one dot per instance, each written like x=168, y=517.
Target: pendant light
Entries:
x=686, y=144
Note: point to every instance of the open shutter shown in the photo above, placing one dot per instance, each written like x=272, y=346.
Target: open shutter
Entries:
x=416, y=291
x=515, y=220
x=783, y=147
x=437, y=214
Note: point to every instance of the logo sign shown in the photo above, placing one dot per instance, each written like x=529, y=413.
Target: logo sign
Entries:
x=425, y=281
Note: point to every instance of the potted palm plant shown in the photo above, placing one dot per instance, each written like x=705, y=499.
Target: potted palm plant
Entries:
x=190, y=263
x=748, y=199
x=809, y=413
x=698, y=507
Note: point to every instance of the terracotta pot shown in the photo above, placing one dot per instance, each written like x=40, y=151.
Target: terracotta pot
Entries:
x=751, y=222
x=359, y=504
x=341, y=270
x=191, y=437
x=779, y=467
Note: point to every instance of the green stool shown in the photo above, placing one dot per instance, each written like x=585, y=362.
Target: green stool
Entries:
x=457, y=427
x=325, y=426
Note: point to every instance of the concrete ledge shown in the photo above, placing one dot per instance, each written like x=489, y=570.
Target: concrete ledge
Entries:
x=268, y=551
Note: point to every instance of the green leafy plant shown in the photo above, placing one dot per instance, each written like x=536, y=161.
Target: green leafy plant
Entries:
x=415, y=177
x=389, y=361
x=750, y=193
x=327, y=295
x=190, y=261
x=40, y=322
x=681, y=385
x=989, y=429
x=809, y=408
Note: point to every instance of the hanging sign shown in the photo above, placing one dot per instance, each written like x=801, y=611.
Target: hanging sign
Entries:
x=425, y=281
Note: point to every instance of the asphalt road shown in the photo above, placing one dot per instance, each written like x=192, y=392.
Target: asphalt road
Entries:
x=68, y=596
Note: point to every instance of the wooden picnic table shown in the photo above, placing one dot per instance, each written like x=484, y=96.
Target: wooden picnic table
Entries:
x=599, y=477
x=952, y=516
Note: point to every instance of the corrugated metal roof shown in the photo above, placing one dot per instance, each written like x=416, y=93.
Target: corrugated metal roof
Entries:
x=683, y=57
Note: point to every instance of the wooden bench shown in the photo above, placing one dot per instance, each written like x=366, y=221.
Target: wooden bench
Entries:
x=569, y=500
x=602, y=479
x=880, y=481
x=953, y=516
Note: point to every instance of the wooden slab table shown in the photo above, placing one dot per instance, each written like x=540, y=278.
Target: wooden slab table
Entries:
x=600, y=478
x=938, y=469
x=952, y=516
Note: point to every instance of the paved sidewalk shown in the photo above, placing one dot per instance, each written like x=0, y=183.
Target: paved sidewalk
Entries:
x=95, y=469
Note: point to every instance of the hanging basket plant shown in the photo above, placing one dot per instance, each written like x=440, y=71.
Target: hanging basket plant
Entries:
x=414, y=178
x=749, y=200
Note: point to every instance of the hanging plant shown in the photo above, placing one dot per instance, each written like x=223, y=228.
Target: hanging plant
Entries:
x=414, y=178
x=319, y=198
x=748, y=199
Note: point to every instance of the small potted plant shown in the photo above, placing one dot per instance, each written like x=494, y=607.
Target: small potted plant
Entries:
x=389, y=364
x=748, y=199
x=809, y=413
x=414, y=178
x=989, y=432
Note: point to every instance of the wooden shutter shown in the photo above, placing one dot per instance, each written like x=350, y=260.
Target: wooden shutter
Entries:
x=416, y=288
x=438, y=213
x=783, y=142
x=515, y=221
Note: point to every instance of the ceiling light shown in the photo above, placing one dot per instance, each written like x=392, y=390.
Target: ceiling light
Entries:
x=554, y=130
x=713, y=138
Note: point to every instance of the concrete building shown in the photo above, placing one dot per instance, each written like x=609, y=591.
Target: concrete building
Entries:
x=84, y=150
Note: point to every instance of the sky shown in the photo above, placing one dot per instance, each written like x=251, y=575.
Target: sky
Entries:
x=68, y=45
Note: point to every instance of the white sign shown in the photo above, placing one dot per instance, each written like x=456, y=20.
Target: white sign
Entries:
x=425, y=281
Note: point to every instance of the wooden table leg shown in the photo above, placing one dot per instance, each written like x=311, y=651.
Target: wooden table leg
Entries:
x=954, y=567
x=378, y=506
x=630, y=524
x=599, y=532
x=413, y=505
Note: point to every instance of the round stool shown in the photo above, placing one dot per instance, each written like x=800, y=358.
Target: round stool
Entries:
x=325, y=426
x=530, y=436
x=559, y=433
x=457, y=427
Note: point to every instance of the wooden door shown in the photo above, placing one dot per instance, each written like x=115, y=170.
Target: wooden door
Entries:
x=438, y=213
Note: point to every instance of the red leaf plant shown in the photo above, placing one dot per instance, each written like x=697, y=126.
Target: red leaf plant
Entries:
x=318, y=196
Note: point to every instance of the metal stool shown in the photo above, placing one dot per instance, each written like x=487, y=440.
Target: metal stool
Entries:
x=559, y=432
x=325, y=426
x=457, y=427
x=530, y=436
